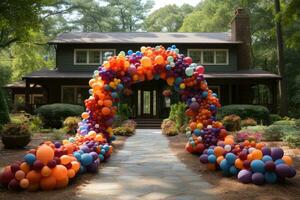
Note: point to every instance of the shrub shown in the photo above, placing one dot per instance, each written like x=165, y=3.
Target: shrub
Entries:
x=53, y=114
x=71, y=125
x=58, y=135
x=177, y=114
x=257, y=128
x=248, y=122
x=257, y=112
x=123, y=131
x=129, y=123
x=4, y=116
x=249, y=135
x=168, y=127
x=275, y=132
x=232, y=122
x=292, y=138
x=124, y=111
x=274, y=118
x=35, y=123
x=285, y=122
x=16, y=129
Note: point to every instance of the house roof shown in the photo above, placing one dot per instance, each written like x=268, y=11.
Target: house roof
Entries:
x=241, y=74
x=144, y=37
x=20, y=84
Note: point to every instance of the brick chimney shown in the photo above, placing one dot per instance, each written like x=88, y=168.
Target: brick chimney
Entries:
x=240, y=31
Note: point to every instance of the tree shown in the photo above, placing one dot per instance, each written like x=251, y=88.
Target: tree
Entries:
x=281, y=63
x=130, y=13
x=168, y=18
x=4, y=116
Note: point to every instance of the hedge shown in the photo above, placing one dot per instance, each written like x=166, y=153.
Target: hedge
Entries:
x=257, y=112
x=54, y=114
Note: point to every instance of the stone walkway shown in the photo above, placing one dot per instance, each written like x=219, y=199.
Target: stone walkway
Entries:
x=145, y=169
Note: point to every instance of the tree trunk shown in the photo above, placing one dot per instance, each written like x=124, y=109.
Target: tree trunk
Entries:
x=281, y=64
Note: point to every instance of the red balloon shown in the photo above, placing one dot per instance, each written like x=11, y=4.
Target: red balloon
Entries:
x=188, y=60
x=200, y=69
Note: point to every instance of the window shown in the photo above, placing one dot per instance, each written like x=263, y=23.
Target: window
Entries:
x=92, y=56
x=209, y=56
x=74, y=94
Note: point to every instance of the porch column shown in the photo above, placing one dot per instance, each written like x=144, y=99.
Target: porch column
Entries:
x=27, y=96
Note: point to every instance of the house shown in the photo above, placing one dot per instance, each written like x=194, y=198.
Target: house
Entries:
x=226, y=56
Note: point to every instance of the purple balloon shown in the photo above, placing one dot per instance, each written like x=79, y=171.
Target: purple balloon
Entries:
x=38, y=165
x=282, y=170
x=276, y=153
x=93, y=168
x=194, y=106
x=266, y=151
x=204, y=158
x=94, y=155
x=14, y=185
x=292, y=172
x=258, y=178
x=270, y=166
x=245, y=176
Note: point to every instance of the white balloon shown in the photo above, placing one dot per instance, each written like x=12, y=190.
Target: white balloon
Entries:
x=227, y=147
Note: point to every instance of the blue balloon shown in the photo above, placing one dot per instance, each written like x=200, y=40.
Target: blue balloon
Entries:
x=213, y=107
x=267, y=158
x=129, y=52
x=114, y=95
x=233, y=170
x=138, y=53
x=106, y=147
x=270, y=177
x=86, y=159
x=210, y=151
x=168, y=67
x=224, y=165
x=156, y=77
x=173, y=46
x=212, y=158
x=101, y=157
x=257, y=166
x=120, y=86
x=279, y=161
x=197, y=132
x=230, y=157
x=178, y=80
x=82, y=169
x=204, y=94
x=77, y=155
x=102, y=151
x=29, y=158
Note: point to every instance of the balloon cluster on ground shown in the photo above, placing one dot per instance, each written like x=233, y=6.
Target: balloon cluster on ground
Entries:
x=53, y=164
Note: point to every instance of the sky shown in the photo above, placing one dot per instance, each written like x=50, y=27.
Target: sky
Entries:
x=162, y=3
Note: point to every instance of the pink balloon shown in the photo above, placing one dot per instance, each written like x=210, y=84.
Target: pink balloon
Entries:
x=188, y=60
x=200, y=69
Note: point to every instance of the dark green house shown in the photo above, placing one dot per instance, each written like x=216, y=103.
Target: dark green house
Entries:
x=226, y=56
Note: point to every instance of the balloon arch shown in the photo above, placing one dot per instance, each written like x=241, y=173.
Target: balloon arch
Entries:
x=53, y=164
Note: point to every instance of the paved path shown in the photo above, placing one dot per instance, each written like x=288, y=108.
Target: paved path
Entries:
x=146, y=169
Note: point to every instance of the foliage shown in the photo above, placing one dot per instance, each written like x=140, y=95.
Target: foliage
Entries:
x=285, y=122
x=124, y=111
x=57, y=135
x=168, y=18
x=292, y=138
x=248, y=122
x=4, y=116
x=16, y=129
x=259, y=113
x=168, y=127
x=232, y=122
x=71, y=125
x=129, y=123
x=274, y=118
x=276, y=132
x=249, y=135
x=257, y=128
x=123, y=131
x=177, y=114
x=35, y=123
x=53, y=114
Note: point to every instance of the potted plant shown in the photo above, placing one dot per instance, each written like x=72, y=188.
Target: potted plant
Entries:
x=15, y=136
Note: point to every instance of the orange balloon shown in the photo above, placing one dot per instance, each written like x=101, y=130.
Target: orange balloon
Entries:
x=288, y=160
x=45, y=153
x=219, y=159
x=239, y=164
x=146, y=61
x=193, y=125
x=105, y=111
x=107, y=103
x=65, y=159
x=71, y=173
x=60, y=172
x=69, y=147
x=219, y=151
x=24, y=183
x=260, y=145
x=211, y=166
x=170, y=81
x=25, y=167
x=250, y=157
x=228, y=140
x=33, y=176
x=19, y=175
x=48, y=183
x=62, y=183
x=75, y=166
x=159, y=59
x=46, y=171
x=85, y=115
x=257, y=154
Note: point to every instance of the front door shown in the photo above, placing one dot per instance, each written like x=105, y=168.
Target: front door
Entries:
x=147, y=103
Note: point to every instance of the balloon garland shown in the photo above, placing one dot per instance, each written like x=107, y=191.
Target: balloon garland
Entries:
x=53, y=164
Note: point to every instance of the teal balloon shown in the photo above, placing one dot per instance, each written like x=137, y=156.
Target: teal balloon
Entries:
x=189, y=71
x=270, y=177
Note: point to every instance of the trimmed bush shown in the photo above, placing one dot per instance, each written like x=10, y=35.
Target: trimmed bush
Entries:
x=53, y=114
x=257, y=112
x=168, y=127
x=232, y=122
x=71, y=125
x=274, y=118
x=248, y=122
x=4, y=116
x=177, y=114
